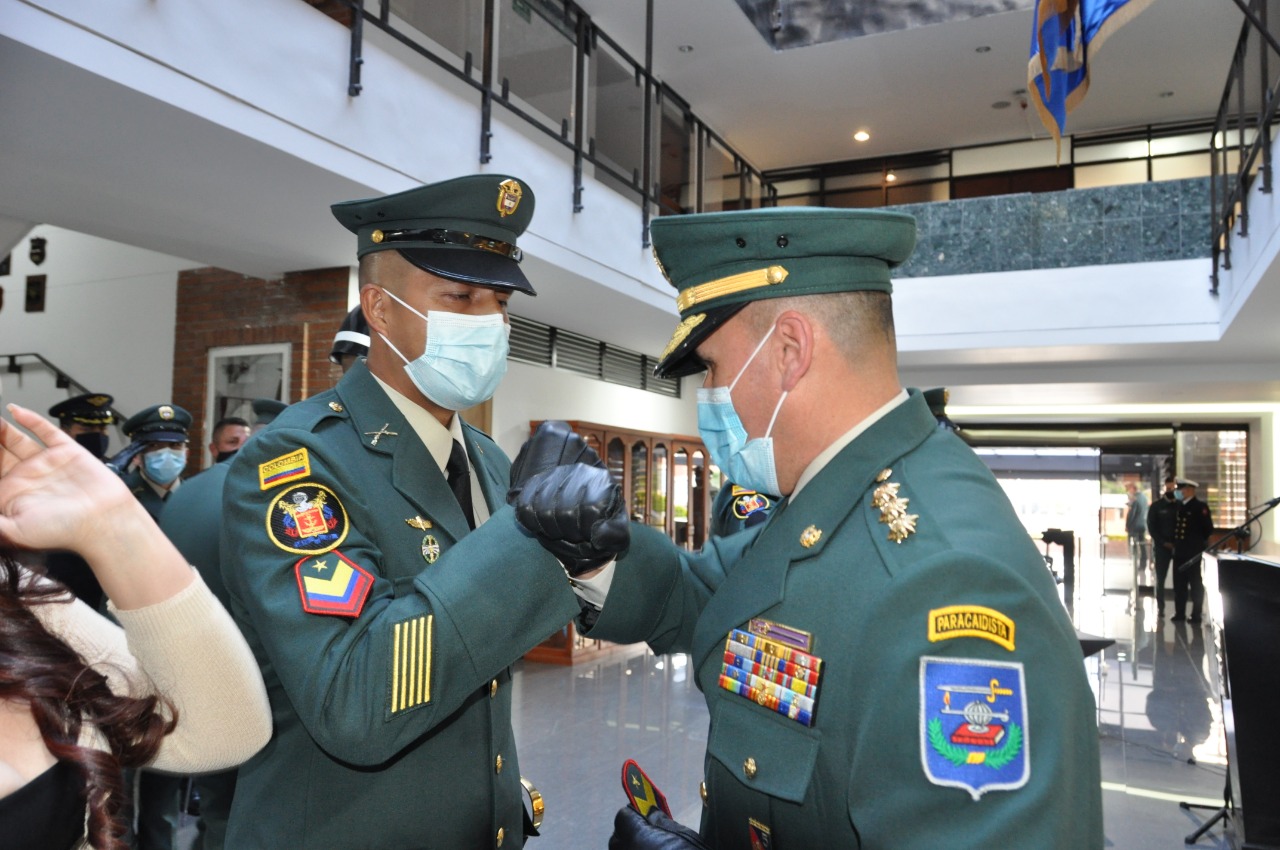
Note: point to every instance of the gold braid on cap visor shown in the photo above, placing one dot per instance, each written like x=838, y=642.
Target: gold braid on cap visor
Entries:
x=441, y=236
x=730, y=285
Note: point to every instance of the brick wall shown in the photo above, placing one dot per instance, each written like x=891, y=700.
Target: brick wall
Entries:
x=219, y=308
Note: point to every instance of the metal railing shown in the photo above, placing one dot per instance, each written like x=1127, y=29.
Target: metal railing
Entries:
x=660, y=183
x=16, y=364
x=1242, y=130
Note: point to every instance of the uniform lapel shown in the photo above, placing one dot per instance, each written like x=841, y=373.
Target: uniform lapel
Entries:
x=414, y=472
x=492, y=484
x=805, y=525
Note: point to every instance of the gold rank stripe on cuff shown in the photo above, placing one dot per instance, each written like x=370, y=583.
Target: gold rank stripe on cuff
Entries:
x=730, y=285
x=411, y=663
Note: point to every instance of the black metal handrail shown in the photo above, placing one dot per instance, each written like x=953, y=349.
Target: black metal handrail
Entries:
x=1237, y=114
x=11, y=364
x=583, y=35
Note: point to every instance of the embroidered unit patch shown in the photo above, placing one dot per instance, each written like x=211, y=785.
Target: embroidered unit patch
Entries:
x=291, y=467
x=307, y=519
x=411, y=663
x=761, y=837
x=747, y=502
x=973, y=621
x=332, y=584
x=973, y=724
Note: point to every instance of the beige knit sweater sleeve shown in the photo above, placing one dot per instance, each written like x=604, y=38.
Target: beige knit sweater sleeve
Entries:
x=188, y=649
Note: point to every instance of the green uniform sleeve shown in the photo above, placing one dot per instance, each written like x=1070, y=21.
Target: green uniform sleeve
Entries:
x=374, y=638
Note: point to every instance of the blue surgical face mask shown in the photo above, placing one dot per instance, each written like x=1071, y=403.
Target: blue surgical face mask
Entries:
x=747, y=462
x=1179, y=495
x=465, y=357
x=164, y=465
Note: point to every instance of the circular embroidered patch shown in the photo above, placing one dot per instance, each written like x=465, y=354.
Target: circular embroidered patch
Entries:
x=750, y=502
x=307, y=519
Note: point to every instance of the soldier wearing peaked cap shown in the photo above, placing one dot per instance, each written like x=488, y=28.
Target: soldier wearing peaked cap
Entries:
x=371, y=561
x=1192, y=528
x=352, y=340
x=886, y=660
x=158, y=447
x=86, y=418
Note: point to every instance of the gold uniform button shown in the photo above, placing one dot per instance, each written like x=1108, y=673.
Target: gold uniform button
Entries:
x=497, y=764
x=501, y=835
x=749, y=768
x=493, y=689
x=702, y=792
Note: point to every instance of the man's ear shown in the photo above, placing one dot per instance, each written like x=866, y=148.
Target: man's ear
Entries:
x=373, y=303
x=795, y=338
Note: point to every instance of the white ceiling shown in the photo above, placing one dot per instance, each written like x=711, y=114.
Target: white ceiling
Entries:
x=920, y=89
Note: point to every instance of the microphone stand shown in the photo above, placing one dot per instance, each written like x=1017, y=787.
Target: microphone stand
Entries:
x=1238, y=533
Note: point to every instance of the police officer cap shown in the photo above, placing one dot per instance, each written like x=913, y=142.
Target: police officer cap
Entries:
x=352, y=337
x=463, y=229
x=265, y=410
x=159, y=423
x=1186, y=482
x=86, y=409
x=720, y=262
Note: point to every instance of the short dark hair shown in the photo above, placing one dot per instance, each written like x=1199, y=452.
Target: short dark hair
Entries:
x=229, y=420
x=1172, y=478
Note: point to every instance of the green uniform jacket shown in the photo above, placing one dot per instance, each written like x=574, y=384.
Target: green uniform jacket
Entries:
x=393, y=720
x=896, y=625
x=144, y=493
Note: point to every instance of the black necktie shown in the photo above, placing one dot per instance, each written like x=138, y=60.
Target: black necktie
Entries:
x=460, y=481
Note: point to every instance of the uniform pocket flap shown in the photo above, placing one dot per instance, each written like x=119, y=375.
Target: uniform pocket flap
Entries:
x=763, y=750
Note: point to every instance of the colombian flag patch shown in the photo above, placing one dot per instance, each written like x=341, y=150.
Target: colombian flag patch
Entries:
x=332, y=584
x=282, y=470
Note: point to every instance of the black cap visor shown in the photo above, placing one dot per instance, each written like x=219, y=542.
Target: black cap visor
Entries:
x=683, y=359
x=470, y=265
x=159, y=437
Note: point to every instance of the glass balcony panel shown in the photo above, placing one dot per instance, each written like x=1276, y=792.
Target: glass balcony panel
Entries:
x=615, y=116
x=720, y=186
x=456, y=27
x=1180, y=144
x=1111, y=174
x=676, y=192
x=1181, y=167
x=536, y=56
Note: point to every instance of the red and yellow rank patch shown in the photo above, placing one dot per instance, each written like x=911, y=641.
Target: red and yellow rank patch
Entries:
x=333, y=584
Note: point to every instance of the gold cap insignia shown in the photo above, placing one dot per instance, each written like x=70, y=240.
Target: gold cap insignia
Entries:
x=335, y=407
x=419, y=523
x=682, y=333
x=377, y=236
x=810, y=536
x=658, y=261
x=97, y=400
x=509, y=194
x=893, y=510
x=166, y=412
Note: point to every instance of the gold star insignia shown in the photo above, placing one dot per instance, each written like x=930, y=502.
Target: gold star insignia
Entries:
x=885, y=494
x=335, y=407
x=902, y=527
x=884, y=474
x=810, y=536
x=320, y=565
x=893, y=508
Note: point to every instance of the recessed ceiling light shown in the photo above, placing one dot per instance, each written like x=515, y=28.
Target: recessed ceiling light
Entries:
x=1166, y=94
x=685, y=48
x=1001, y=104
x=983, y=49
x=890, y=177
x=861, y=136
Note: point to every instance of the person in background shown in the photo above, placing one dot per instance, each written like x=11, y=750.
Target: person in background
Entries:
x=1160, y=522
x=229, y=435
x=1192, y=528
x=192, y=520
x=84, y=418
x=1135, y=525
x=352, y=340
x=886, y=661
x=173, y=686
x=158, y=437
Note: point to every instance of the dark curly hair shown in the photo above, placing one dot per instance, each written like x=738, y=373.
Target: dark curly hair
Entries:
x=66, y=694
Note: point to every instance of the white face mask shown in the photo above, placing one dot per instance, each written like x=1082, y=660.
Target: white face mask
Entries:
x=464, y=360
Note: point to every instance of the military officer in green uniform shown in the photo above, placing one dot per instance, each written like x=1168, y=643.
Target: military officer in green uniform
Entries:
x=372, y=564
x=85, y=418
x=158, y=441
x=886, y=660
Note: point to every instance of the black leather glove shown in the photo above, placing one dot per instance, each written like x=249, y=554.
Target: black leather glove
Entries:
x=657, y=832
x=577, y=514
x=553, y=444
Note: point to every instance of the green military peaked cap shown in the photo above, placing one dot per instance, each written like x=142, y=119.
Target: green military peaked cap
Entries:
x=85, y=409
x=463, y=229
x=159, y=423
x=719, y=262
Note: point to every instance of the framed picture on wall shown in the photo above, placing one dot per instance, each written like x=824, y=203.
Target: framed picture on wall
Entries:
x=238, y=374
